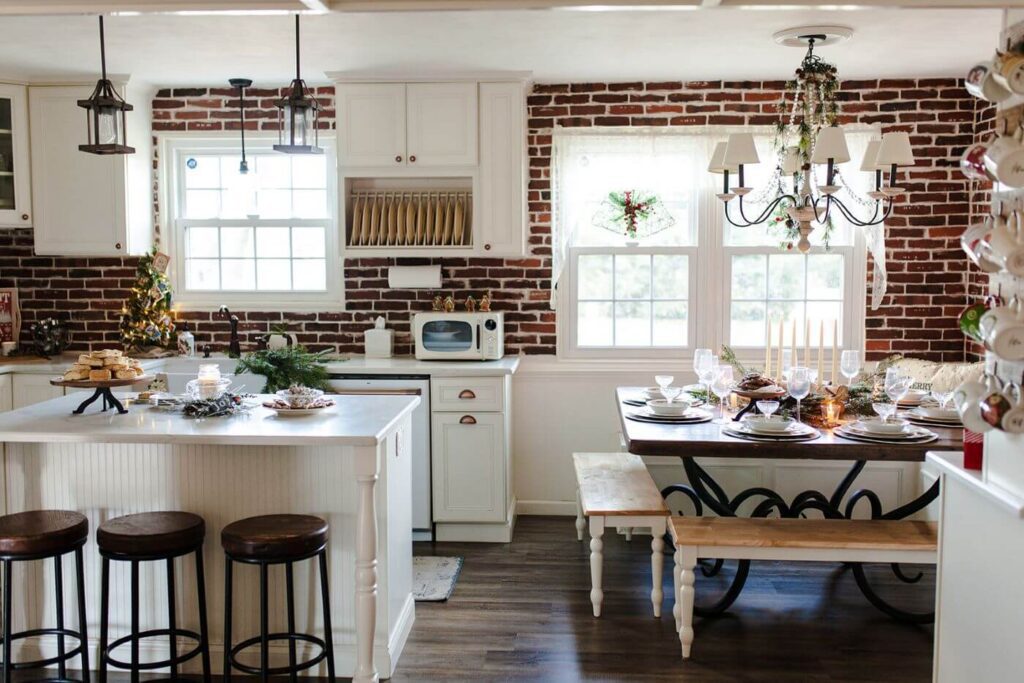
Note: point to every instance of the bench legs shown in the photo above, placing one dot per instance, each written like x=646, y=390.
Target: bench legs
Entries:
x=580, y=522
x=657, y=563
x=596, y=562
x=686, y=560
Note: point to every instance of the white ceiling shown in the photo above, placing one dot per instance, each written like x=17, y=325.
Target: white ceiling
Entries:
x=555, y=45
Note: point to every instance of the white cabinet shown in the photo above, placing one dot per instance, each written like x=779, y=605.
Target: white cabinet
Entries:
x=15, y=183
x=6, y=393
x=502, y=215
x=30, y=389
x=469, y=467
x=371, y=130
x=441, y=124
x=87, y=204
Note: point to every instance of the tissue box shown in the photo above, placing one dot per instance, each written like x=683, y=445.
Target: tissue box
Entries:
x=379, y=343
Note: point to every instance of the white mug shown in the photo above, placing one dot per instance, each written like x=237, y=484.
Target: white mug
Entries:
x=1002, y=328
x=1011, y=71
x=967, y=399
x=1007, y=244
x=975, y=243
x=1004, y=159
x=984, y=81
x=1013, y=419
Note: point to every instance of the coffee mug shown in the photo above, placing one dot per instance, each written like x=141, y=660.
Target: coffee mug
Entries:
x=1006, y=244
x=1002, y=329
x=1011, y=69
x=967, y=399
x=969, y=319
x=972, y=161
x=975, y=243
x=1013, y=419
x=1004, y=159
x=983, y=80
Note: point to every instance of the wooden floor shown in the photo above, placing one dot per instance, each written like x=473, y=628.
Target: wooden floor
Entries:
x=521, y=612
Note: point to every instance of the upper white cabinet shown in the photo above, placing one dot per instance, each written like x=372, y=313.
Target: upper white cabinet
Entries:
x=441, y=124
x=372, y=124
x=85, y=204
x=502, y=198
x=15, y=185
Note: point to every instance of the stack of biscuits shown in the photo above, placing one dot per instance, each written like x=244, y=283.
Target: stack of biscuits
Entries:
x=97, y=366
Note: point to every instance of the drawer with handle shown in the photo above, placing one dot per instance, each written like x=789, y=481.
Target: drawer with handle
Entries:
x=452, y=394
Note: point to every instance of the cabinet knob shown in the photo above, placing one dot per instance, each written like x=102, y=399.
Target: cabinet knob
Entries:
x=412, y=159
x=24, y=216
x=467, y=420
x=398, y=158
x=467, y=394
x=117, y=246
x=487, y=247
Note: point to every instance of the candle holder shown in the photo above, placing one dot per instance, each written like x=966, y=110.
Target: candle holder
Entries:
x=831, y=412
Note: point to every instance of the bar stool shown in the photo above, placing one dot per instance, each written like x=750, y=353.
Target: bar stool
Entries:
x=40, y=535
x=265, y=541
x=151, y=537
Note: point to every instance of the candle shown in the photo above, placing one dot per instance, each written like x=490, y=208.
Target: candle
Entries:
x=807, y=343
x=821, y=350
x=835, y=344
x=768, y=351
x=778, y=365
x=793, y=342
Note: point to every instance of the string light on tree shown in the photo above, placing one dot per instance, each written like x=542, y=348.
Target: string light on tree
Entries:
x=146, y=315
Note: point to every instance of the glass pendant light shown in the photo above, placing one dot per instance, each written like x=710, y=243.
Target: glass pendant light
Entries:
x=298, y=114
x=105, y=114
x=241, y=84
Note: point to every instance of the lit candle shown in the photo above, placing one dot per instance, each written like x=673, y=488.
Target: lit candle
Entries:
x=807, y=343
x=778, y=365
x=768, y=351
x=835, y=345
x=821, y=349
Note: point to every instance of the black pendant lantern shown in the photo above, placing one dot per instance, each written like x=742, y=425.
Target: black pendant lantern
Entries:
x=298, y=114
x=242, y=84
x=105, y=114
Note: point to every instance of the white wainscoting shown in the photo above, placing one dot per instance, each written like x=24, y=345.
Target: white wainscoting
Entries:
x=562, y=407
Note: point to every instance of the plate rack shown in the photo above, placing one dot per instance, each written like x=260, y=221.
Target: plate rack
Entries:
x=410, y=219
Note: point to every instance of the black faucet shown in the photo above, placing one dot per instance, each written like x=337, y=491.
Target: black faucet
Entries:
x=234, y=348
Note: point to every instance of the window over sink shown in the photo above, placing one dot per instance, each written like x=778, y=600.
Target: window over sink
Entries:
x=267, y=237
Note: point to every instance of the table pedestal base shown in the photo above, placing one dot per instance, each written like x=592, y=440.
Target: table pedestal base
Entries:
x=109, y=401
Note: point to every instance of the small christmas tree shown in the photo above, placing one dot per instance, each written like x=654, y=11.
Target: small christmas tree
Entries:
x=146, y=316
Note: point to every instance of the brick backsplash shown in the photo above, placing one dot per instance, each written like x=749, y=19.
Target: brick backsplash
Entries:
x=929, y=279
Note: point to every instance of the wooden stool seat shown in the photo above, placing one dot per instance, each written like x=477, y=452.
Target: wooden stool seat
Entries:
x=149, y=534
x=41, y=533
x=274, y=537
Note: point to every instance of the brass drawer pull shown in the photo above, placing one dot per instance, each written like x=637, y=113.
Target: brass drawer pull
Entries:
x=467, y=420
x=467, y=394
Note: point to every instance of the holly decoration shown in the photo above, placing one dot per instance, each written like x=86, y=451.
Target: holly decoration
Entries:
x=633, y=213
x=146, y=315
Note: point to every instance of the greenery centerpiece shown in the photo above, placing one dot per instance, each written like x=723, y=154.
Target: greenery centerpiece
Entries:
x=286, y=366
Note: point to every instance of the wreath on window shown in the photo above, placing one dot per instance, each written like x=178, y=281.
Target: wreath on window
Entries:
x=633, y=213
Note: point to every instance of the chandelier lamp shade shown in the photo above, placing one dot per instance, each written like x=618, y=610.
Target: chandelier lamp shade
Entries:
x=809, y=148
x=298, y=114
x=105, y=113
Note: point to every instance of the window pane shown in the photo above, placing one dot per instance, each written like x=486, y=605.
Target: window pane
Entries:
x=274, y=274
x=746, y=324
x=202, y=171
x=670, y=319
x=274, y=171
x=633, y=323
x=200, y=242
x=273, y=242
x=595, y=276
x=594, y=326
x=274, y=203
x=786, y=276
x=748, y=276
x=238, y=274
x=202, y=274
x=309, y=171
x=825, y=276
x=202, y=203
x=308, y=242
x=309, y=203
x=237, y=203
x=671, y=277
x=309, y=274
x=236, y=243
x=633, y=277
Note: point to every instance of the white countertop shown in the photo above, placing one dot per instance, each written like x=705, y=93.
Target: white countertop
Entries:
x=352, y=421
x=952, y=462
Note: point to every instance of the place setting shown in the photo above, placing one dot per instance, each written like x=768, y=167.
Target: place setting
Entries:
x=657, y=392
x=935, y=412
x=667, y=404
x=767, y=426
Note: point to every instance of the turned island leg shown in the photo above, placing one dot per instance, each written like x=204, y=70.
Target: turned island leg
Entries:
x=367, y=468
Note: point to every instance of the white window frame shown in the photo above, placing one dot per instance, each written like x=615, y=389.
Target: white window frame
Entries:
x=175, y=146
x=710, y=284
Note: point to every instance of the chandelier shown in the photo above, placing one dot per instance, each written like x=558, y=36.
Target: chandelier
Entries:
x=808, y=139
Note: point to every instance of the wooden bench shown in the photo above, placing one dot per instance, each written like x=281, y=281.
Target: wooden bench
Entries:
x=615, y=489
x=813, y=540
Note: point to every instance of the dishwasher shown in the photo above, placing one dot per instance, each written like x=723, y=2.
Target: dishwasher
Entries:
x=412, y=385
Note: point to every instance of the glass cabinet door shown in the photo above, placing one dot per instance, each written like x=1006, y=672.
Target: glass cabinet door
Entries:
x=15, y=198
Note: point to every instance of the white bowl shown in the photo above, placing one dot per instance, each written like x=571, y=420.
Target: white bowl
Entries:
x=299, y=397
x=875, y=425
x=914, y=396
x=936, y=413
x=776, y=424
x=660, y=406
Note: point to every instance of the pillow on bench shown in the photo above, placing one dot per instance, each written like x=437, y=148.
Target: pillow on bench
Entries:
x=940, y=376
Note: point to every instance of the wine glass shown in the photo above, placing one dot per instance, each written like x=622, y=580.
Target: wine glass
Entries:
x=671, y=393
x=799, y=386
x=884, y=410
x=767, y=408
x=721, y=385
x=942, y=397
x=663, y=381
x=849, y=365
x=897, y=385
x=705, y=373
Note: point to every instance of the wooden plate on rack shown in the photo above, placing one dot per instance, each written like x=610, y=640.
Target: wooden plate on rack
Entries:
x=98, y=384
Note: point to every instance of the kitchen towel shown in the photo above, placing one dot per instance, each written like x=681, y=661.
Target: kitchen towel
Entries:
x=433, y=578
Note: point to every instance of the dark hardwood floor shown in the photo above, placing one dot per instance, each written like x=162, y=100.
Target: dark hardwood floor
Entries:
x=521, y=612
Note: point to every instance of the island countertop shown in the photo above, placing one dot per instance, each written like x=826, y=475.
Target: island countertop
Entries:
x=352, y=421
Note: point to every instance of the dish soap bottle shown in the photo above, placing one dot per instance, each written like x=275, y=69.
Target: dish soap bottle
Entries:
x=186, y=342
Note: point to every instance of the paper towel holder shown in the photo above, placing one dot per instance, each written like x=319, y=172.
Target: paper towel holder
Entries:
x=414, y=277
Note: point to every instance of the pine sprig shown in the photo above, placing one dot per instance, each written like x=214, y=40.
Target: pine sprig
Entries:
x=285, y=367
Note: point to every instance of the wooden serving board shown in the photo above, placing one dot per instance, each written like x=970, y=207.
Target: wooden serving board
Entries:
x=99, y=384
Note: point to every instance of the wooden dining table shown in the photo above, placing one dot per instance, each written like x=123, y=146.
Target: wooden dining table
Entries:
x=707, y=440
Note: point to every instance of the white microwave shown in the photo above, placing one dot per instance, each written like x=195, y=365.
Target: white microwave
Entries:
x=459, y=336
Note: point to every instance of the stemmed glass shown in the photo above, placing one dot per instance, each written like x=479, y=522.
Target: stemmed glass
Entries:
x=721, y=385
x=799, y=386
x=896, y=386
x=664, y=382
x=671, y=393
x=884, y=410
x=942, y=397
x=704, y=365
x=849, y=365
x=767, y=408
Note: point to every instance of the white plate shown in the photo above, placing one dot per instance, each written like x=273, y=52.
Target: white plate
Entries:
x=299, y=412
x=911, y=433
x=795, y=431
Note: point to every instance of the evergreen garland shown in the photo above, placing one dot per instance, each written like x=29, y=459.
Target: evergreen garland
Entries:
x=146, y=315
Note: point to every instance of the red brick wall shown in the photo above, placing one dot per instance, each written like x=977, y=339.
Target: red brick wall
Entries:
x=929, y=282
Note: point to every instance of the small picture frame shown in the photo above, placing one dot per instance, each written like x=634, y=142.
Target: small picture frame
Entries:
x=10, y=315
x=161, y=261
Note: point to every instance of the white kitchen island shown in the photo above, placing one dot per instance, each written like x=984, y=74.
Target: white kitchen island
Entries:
x=351, y=467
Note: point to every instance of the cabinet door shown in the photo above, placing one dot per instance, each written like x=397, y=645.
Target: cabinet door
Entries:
x=502, y=208
x=6, y=393
x=79, y=198
x=468, y=461
x=442, y=124
x=15, y=188
x=371, y=124
x=30, y=389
